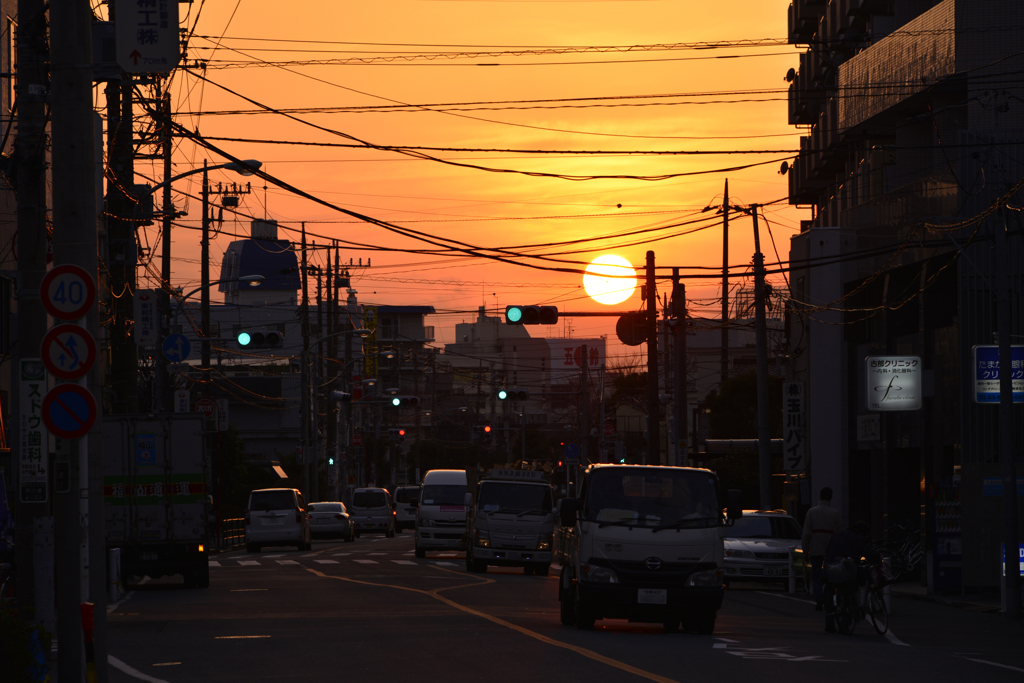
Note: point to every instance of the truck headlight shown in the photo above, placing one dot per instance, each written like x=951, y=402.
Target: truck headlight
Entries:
x=592, y=573
x=482, y=539
x=711, y=578
x=544, y=543
x=745, y=554
x=425, y=522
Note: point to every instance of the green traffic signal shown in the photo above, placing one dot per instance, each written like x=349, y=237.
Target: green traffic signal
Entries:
x=502, y=395
x=396, y=401
x=513, y=314
x=244, y=339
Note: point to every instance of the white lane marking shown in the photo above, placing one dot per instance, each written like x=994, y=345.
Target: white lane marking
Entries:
x=894, y=640
x=340, y=554
x=404, y=562
x=1001, y=666
x=111, y=608
x=377, y=553
x=118, y=664
x=213, y=563
x=786, y=597
x=445, y=564
x=249, y=563
x=237, y=637
x=310, y=555
x=726, y=640
x=167, y=664
x=326, y=561
x=287, y=562
x=366, y=561
x=270, y=557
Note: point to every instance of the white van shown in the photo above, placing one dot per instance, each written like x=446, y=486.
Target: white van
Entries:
x=644, y=544
x=371, y=512
x=405, y=513
x=441, y=512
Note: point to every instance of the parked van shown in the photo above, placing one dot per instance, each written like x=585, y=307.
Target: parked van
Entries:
x=276, y=517
x=441, y=512
x=371, y=512
x=405, y=510
x=644, y=544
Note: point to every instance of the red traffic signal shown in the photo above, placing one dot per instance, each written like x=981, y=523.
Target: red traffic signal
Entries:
x=487, y=429
x=401, y=432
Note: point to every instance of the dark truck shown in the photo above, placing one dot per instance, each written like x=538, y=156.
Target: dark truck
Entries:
x=156, y=492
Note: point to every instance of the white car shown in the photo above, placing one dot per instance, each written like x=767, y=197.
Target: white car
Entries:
x=330, y=519
x=405, y=512
x=757, y=546
x=371, y=512
x=276, y=517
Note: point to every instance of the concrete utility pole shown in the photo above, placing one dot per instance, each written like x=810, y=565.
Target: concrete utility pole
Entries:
x=304, y=373
x=679, y=375
x=653, y=456
x=764, y=454
x=724, y=360
x=585, y=405
x=34, y=521
x=1007, y=452
x=204, y=282
x=163, y=396
x=75, y=241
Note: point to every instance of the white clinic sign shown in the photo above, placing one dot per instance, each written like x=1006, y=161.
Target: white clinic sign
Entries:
x=893, y=383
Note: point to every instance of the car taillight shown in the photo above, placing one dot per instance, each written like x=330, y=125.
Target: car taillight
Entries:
x=247, y=521
x=394, y=512
x=298, y=516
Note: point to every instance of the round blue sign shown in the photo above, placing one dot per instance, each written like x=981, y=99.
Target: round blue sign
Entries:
x=177, y=348
x=69, y=411
x=572, y=450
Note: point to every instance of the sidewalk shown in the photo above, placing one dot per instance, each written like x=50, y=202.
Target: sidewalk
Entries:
x=976, y=602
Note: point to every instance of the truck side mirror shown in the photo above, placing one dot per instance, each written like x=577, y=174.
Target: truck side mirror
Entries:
x=468, y=500
x=567, y=509
x=734, y=504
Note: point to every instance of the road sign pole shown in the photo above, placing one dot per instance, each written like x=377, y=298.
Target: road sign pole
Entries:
x=79, y=514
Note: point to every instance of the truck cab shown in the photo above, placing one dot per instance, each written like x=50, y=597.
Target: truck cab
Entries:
x=511, y=522
x=644, y=544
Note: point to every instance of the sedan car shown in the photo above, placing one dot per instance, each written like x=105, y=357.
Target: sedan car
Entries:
x=757, y=546
x=331, y=520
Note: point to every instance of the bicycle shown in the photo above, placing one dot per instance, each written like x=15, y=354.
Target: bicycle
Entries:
x=905, y=553
x=858, y=594
x=7, y=586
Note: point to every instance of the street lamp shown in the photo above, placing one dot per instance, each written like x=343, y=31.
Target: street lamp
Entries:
x=252, y=280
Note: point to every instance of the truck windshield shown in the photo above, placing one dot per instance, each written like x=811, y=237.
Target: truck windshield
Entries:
x=407, y=495
x=443, y=494
x=513, y=497
x=645, y=497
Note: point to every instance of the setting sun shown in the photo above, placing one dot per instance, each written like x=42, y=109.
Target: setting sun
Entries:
x=610, y=279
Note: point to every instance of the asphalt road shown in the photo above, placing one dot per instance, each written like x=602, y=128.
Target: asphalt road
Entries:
x=369, y=611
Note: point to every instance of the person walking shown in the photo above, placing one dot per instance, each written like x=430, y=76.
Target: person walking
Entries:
x=821, y=522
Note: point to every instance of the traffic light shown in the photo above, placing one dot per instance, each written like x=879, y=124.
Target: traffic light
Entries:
x=260, y=339
x=330, y=461
x=561, y=466
x=405, y=401
x=531, y=315
x=480, y=431
x=341, y=396
x=396, y=435
x=513, y=395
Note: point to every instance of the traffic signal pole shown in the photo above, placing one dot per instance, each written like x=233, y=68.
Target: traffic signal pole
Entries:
x=764, y=455
x=653, y=456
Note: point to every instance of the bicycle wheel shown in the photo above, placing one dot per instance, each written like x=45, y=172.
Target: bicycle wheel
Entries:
x=7, y=591
x=877, y=611
x=845, y=620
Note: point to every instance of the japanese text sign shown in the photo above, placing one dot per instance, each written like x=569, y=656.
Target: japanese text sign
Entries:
x=893, y=382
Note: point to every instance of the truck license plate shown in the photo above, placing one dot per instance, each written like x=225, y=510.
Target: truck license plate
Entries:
x=148, y=557
x=652, y=596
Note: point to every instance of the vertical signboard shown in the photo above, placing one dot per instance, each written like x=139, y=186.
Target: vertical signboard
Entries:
x=32, y=454
x=893, y=383
x=145, y=317
x=222, y=415
x=986, y=373
x=182, y=401
x=146, y=33
x=793, y=449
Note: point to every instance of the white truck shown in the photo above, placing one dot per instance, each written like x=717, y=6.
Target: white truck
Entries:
x=156, y=492
x=644, y=544
x=511, y=522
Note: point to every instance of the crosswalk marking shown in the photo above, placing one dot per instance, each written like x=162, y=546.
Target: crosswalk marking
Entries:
x=272, y=556
x=366, y=561
x=214, y=563
x=287, y=562
x=377, y=553
x=311, y=555
x=249, y=563
x=326, y=561
x=340, y=554
x=404, y=562
x=445, y=564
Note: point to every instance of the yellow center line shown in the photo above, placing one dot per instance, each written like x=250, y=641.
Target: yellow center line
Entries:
x=436, y=594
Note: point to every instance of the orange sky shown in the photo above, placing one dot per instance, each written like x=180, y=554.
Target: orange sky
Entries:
x=478, y=207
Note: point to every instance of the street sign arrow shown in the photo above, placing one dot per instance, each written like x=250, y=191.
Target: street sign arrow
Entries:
x=68, y=351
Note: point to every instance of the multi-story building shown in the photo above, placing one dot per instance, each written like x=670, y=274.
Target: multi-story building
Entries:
x=913, y=113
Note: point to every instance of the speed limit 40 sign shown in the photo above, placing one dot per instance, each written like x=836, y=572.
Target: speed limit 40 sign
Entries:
x=68, y=292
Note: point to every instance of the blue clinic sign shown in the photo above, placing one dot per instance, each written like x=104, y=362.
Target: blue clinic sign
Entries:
x=986, y=373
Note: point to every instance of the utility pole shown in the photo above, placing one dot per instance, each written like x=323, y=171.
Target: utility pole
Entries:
x=34, y=518
x=653, y=456
x=318, y=373
x=724, y=360
x=764, y=455
x=75, y=241
x=1007, y=452
x=163, y=396
x=585, y=400
x=679, y=376
x=304, y=373
x=332, y=373
x=204, y=292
